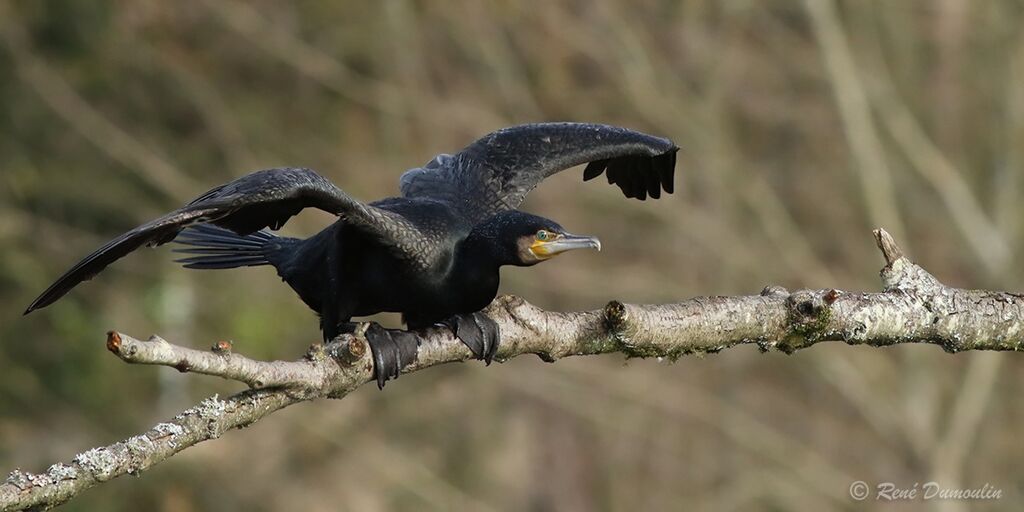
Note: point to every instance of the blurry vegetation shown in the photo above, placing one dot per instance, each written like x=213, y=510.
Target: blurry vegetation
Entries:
x=803, y=126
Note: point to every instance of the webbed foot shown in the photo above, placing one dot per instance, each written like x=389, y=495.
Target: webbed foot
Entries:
x=478, y=332
x=392, y=350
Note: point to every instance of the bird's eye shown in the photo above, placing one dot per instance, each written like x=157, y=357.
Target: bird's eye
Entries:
x=543, y=235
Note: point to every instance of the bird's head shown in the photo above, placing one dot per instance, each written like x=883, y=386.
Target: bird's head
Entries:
x=523, y=239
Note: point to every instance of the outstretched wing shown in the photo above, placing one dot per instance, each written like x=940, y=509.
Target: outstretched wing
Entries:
x=262, y=199
x=496, y=172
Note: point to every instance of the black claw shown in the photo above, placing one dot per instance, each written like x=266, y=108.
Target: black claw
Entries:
x=393, y=358
x=380, y=344
x=486, y=340
x=470, y=334
x=478, y=332
x=490, y=330
x=407, y=343
x=451, y=324
x=392, y=351
x=489, y=334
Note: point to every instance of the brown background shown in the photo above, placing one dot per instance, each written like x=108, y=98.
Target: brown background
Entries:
x=802, y=126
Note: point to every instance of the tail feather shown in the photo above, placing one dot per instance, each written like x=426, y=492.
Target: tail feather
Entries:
x=219, y=248
x=218, y=262
x=208, y=235
x=206, y=250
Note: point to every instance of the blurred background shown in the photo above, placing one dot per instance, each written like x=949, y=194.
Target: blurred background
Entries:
x=803, y=126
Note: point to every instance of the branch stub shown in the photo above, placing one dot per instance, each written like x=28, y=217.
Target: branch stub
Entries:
x=890, y=250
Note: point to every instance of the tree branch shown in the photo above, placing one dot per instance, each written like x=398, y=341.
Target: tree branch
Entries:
x=914, y=307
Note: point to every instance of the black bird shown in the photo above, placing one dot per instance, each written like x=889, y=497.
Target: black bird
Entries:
x=432, y=253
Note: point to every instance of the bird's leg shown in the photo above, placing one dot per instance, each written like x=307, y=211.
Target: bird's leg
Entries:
x=332, y=327
x=478, y=332
x=330, y=316
x=348, y=327
x=392, y=350
x=329, y=328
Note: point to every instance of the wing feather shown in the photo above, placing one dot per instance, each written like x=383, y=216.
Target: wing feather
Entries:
x=261, y=199
x=496, y=172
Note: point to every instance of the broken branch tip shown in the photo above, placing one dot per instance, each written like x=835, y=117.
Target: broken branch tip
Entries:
x=890, y=250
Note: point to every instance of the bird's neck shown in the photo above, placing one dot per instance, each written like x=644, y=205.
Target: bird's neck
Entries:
x=480, y=253
x=475, y=272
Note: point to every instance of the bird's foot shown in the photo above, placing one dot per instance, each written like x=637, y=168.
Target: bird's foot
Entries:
x=392, y=350
x=478, y=332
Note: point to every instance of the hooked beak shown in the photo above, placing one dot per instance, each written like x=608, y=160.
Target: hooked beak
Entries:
x=565, y=242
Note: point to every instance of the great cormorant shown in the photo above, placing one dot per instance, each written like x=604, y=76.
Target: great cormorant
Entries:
x=432, y=253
